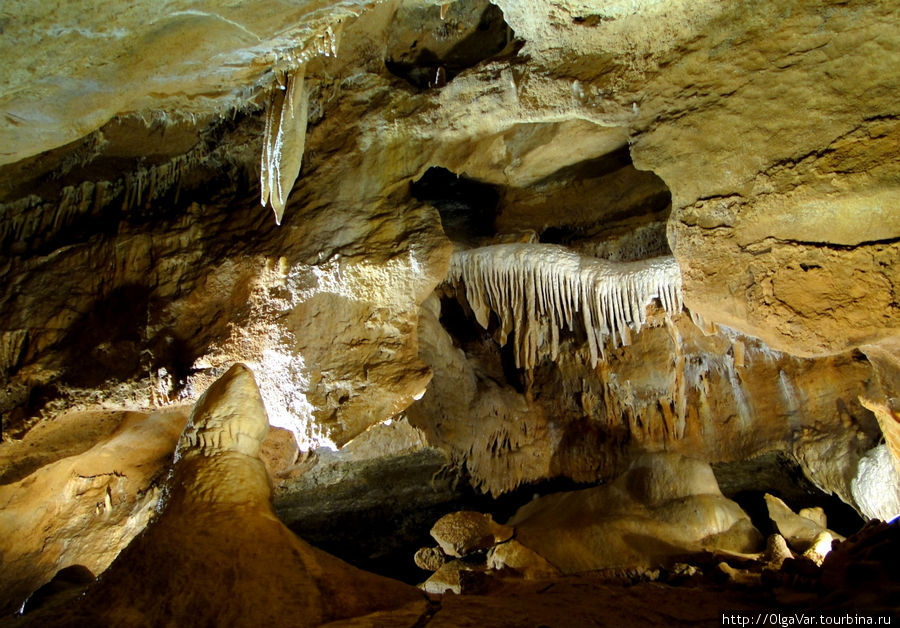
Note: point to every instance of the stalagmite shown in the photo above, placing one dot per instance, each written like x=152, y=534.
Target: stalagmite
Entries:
x=283, y=142
x=535, y=289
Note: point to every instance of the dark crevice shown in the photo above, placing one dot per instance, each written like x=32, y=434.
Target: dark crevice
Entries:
x=778, y=474
x=467, y=207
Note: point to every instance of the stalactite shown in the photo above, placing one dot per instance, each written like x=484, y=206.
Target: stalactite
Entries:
x=536, y=289
x=12, y=345
x=32, y=216
x=283, y=142
x=679, y=385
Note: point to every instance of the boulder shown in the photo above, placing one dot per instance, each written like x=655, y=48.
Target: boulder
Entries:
x=456, y=577
x=430, y=558
x=464, y=532
x=800, y=532
x=665, y=507
x=777, y=551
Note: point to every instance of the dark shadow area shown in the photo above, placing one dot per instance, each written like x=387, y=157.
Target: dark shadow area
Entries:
x=467, y=207
x=778, y=474
x=107, y=343
x=466, y=35
x=63, y=588
x=601, y=207
x=378, y=518
x=135, y=176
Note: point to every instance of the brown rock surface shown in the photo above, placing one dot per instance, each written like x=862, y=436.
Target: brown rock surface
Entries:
x=757, y=143
x=673, y=388
x=777, y=551
x=216, y=554
x=429, y=558
x=663, y=507
x=91, y=485
x=456, y=577
x=462, y=533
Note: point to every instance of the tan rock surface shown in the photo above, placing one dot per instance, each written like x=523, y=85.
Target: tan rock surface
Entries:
x=674, y=388
x=139, y=265
x=663, y=507
x=430, y=558
x=455, y=577
x=800, y=532
x=216, y=554
x=777, y=551
x=521, y=560
x=90, y=486
x=464, y=532
x=782, y=222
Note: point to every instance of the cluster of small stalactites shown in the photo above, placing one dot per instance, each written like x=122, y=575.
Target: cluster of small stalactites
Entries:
x=536, y=289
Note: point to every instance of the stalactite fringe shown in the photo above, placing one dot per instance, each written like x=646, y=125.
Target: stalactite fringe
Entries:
x=535, y=289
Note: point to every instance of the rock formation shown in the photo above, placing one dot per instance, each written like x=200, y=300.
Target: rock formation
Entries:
x=663, y=508
x=216, y=553
x=517, y=248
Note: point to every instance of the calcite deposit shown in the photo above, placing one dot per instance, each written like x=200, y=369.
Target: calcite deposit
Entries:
x=663, y=508
x=216, y=546
x=474, y=253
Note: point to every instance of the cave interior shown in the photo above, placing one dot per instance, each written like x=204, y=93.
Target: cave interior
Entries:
x=409, y=312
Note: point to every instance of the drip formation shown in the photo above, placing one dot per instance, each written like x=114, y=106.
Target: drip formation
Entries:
x=535, y=289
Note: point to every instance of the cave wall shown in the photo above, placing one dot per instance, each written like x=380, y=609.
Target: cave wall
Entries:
x=757, y=144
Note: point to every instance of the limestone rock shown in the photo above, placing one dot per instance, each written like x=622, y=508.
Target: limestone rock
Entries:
x=216, y=553
x=228, y=417
x=876, y=487
x=663, y=507
x=430, y=558
x=777, y=551
x=505, y=438
x=77, y=490
x=462, y=533
x=816, y=515
x=136, y=271
x=456, y=577
x=760, y=250
x=820, y=547
x=801, y=533
x=740, y=577
x=523, y=561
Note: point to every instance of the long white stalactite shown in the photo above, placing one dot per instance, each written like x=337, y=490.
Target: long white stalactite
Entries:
x=283, y=142
x=535, y=289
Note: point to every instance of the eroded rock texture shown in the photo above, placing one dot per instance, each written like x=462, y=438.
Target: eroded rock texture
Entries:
x=751, y=150
x=663, y=508
x=217, y=525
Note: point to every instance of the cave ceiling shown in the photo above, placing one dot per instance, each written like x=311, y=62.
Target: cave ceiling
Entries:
x=543, y=239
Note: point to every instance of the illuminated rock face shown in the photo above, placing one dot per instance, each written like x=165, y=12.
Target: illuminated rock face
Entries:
x=77, y=490
x=752, y=147
x=216, y=554
x=665, y=506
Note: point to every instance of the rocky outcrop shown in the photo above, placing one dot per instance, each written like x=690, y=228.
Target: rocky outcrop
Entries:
x=754, y=147
x=721, y=397
x=77, y=490
x=465, y=532
x=801, y=532
x=876, y=487
x=665, y=506
x=216, y=553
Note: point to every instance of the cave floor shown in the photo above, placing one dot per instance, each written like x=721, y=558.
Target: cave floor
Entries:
x=588, y=600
